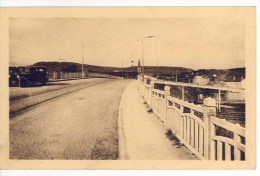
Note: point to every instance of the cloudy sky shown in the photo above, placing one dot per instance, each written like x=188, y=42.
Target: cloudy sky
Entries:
x=186, y=42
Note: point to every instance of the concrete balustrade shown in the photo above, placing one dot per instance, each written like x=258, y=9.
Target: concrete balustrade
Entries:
x=57, y=76
x=195, y=125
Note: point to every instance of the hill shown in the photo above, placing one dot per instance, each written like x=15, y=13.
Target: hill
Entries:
x=74, y=67
x=234, y=74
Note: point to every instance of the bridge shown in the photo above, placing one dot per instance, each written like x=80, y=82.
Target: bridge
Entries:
x=107, y=117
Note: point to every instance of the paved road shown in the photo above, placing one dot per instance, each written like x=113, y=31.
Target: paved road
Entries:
x=82, y=123
x=23, y=98
x=17, y=93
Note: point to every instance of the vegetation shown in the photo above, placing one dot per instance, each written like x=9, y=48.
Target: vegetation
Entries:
x=162, y=71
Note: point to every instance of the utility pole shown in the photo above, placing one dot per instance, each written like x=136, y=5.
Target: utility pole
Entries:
x=147, y=37
x=82, y=66
x=157, y=69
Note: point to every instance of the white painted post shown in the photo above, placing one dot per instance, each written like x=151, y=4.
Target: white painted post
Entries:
x=181, y=122
x=196, y=142
x=151, y=93
x=209, y=110
x=188, y=129
x=192, y=126
x=167, y=93
x=236, y=150
x=219, y=100
x=227, y=152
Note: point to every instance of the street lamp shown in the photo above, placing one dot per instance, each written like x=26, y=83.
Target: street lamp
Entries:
x=146, y=37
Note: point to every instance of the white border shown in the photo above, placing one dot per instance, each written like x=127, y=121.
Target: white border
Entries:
x=81, y=3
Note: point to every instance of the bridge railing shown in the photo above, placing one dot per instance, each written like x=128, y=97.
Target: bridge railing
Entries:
x=55, y=76
x=231, y=147
x=159, y=103
x=196, y=126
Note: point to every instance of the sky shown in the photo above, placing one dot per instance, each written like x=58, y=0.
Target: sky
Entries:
x=195, y=43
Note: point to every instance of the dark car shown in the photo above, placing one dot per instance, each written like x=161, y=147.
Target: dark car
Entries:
x=13, y=76
x=27, y=76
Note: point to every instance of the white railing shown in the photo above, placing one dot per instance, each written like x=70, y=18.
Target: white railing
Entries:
x=196, y=125
x=55, y=76
x=101, y=75
x=187, y=122
x=227, y=148
x=158, y=103
x=147, y=93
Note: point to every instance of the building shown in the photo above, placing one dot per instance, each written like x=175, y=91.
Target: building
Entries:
x=200, y=80
x=139, y=68
x=235, y=83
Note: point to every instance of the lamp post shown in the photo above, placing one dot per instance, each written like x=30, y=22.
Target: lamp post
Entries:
x=146, y=37
x=82, y=65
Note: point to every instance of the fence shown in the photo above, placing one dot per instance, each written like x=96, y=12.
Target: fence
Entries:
x=196, y=126
x=54, y=76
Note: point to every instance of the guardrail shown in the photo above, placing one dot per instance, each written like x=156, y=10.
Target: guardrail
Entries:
x=224, y=147
x=55, y=76
x=196, y=126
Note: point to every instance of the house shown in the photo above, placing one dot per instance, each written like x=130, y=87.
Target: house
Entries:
x=235, y=96
x=201, y=80
x=235, y=82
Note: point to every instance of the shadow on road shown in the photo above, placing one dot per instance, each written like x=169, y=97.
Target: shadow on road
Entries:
x=47, y=85
x=57, y=84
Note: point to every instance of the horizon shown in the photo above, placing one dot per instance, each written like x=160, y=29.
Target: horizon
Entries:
x=128, y=66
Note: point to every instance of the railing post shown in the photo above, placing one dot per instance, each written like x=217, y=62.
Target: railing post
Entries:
x=182, y=93
x=151, y=92
x=54, y=75
x=209, y=110
x=236, y=150
x=167, y=89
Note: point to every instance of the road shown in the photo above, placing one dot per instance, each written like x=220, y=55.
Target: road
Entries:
x=23, y=98
x=66, y=120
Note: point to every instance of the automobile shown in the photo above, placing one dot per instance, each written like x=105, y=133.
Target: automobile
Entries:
x=13, y=76
x=27, y=76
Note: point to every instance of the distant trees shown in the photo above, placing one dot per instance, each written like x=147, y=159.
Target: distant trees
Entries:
x=70, y=68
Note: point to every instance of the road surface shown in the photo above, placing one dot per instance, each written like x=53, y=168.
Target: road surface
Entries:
x=66, y=120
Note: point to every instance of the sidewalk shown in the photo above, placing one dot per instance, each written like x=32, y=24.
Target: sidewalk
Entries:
x=142, y=136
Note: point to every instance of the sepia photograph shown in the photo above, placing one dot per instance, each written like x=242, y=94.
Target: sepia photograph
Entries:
x=140, y=87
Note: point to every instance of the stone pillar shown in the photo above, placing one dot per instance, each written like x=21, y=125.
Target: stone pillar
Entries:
x=210, y=104
x=209, y=110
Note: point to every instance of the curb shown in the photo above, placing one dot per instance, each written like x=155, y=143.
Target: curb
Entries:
x=121, y=134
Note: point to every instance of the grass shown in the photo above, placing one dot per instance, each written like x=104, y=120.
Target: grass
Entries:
x=173, y=137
